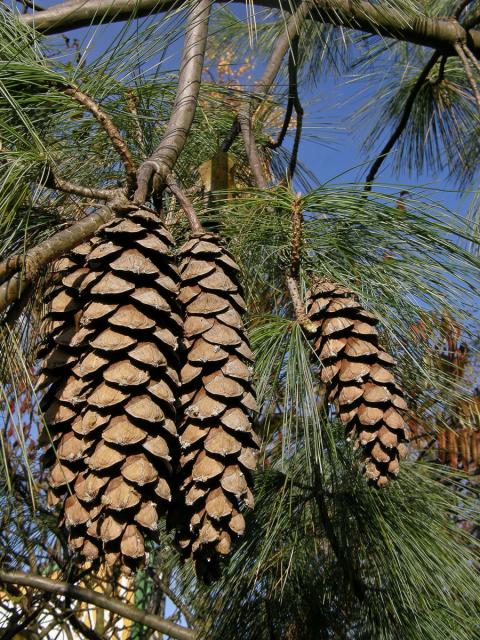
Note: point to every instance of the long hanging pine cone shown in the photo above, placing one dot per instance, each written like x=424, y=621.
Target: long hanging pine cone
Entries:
x=219, y=447
x=115, y=437
x=356, y=372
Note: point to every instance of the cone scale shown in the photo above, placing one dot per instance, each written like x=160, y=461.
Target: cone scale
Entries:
x=114, y=443
x=358, y=378
x=219, y=447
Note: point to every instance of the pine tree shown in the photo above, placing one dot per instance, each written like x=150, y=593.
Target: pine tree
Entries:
x=240, y=379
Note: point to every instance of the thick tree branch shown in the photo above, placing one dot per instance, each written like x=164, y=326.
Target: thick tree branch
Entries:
x=162, y=160
x=403, y=121
x=110, y=129
x=99, y=600
x=37, y=258
x=377, y=19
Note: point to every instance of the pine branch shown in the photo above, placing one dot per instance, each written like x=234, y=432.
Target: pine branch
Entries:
x=294, y=268
x=184, y=610
x=460, y=49
x=57, y=183
x=38, y=257
x=88, y=596
x=403, y=121
x=292, y=72
x=375, y=19
x=264, y=84
x=472, y=58
x=185, y=203
x=460, y=8
x=110, y=129
x=163, y=159
x=251, y=149
x=292, y=88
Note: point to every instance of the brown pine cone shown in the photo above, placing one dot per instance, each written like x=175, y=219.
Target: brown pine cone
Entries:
x=120, y=433
x=359, y=383
x=219, y=447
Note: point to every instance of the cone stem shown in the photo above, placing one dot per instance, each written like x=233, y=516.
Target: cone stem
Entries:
x=185, y=203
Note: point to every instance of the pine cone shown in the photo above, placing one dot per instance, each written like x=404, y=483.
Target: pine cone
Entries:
x=219, y=447
x=60, y=349
x=120, y=434
x=358, y=382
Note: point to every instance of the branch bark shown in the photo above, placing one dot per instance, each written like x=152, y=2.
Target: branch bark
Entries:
x=377, y=19
x=37, y=258
x=162, y=160
x=254, y=160
x=99, y=600
x=185, y=203
x=79, y=190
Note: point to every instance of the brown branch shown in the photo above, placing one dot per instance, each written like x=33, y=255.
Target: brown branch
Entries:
x=459, y=8
x=110, y=129
x=292, y=88
x=132, y=106
x=188, y=615
x=264, y=84
x=185, y=203
x=38, y=257
x=400, y=128
x=376, y=19
x=294, y=269
x=57, y=183
x=163, y=159
x=472, y=58
x=460, y=49
x=251, y=149
x=99, y=600
x=293, y=81
x=296, y=237
x=31, y=4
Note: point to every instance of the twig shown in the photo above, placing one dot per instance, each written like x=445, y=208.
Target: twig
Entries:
x=292, y=72
x=188, y=615
x=55, y=182
x=162, y=160
x=251, y=149
x=296, y=237
x=403, y=121
x=185, y=203
x=292, y=79
x=132, y=106
x=110, y=129
x=472, y=57
x=99, y=600
x=294, y=269
x=460, y=49
x=264, y=84
x=441, y=70
x=31, y=4
x=459, y=8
